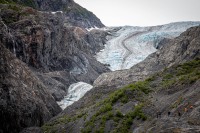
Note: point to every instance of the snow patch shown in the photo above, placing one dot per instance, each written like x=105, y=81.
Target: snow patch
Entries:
x=75, y=92
x=57, y=12
x=92, y=28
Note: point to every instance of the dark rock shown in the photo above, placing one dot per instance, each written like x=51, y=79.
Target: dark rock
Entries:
x=55, y=52
x=32, y=130
x=75, y=15
x=24, y=100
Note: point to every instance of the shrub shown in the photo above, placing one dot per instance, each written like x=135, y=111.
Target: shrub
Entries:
x=107, y=107
x=124, y=99
x=119, y=114
x=114, y=97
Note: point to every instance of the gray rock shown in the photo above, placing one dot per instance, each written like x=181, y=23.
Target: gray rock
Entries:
x=48, y=46
x=32, y=130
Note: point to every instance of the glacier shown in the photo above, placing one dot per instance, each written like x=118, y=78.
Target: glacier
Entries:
x=75, y=92
x=129, y=45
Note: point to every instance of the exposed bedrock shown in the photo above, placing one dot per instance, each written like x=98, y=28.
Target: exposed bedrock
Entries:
x=59, y=54
x=24, y=100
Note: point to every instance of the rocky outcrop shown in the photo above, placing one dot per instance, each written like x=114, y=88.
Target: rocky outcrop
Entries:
x=59, y=54
x=24, y=100
x=180, y=49
x=42, y=53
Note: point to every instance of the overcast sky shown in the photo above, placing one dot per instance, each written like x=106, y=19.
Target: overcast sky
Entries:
x=143, y=12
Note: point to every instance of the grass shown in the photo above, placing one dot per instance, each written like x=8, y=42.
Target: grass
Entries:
x=51, y=126
x=186, y=73
x=106, y=110
x=127, y=120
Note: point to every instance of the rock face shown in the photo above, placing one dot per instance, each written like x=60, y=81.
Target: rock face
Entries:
x=59, y=54
x=75, y=15
x=156, y=104
x=24, y=100
x=180, y=49
x=42, y=53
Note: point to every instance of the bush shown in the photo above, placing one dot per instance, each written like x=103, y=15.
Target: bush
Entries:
x=124, y=99
x=107, y=107
x=119, y=114
x=114, y=97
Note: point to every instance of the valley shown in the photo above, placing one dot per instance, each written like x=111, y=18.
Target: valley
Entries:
x=63, y=70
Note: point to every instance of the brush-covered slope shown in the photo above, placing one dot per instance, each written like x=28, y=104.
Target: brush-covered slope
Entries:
x=24, y=100
x=134, y=107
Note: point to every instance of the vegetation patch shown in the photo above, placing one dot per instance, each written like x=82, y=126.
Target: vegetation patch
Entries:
x=52, y=126
x=186, y=73
x=29, y=3
x=107, y=112
x=6, y=2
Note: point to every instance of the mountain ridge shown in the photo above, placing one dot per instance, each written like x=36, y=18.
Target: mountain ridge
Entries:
x=75, y=15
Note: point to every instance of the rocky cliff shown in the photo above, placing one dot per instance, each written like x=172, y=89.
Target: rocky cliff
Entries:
x=166, y=99
x=42, y=53
x=24, y=100
x=59, y=54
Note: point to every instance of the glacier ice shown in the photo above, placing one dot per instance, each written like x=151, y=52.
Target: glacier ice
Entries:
x=75, y=92
x=130, y=45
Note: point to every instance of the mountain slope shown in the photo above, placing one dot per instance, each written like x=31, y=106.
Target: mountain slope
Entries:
x=75, y=15
x=108, y=107
x=60, y=55
x=134, y=107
